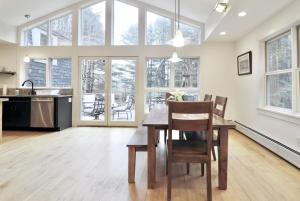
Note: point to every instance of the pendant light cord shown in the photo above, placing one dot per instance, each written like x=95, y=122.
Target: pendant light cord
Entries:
x=178, y=24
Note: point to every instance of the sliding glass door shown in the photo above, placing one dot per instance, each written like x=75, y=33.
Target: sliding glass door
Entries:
x=108, y=90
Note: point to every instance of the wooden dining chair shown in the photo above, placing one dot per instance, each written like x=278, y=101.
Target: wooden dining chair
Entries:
x=190, y=116
x=207, y=97
x=166, y=102
x=219, y=110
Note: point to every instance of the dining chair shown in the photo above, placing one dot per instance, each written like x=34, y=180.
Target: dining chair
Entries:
x=207, y=97
x=189, y=135
x=219, y=110
x=190, y=116
x=166, y=102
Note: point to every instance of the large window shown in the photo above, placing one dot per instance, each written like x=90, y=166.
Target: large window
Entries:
x=52, y=72
x=158, y=29
x=279, y=71
x=35, y=71
x=163, y=76
x=60, y=72
x=192, y=33
x=61, y=31
x=36, y=36
x=125, y=32
x=92, y=27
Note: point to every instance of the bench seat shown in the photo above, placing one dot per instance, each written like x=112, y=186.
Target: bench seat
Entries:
x=138, y=142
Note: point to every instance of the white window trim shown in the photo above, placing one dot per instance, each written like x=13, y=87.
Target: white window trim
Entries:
x=171, y=87
x=281, y=114
x=113, y=23
x=48, y=74
x=289, y=115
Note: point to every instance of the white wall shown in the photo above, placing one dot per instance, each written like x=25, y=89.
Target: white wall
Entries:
x=8, y=59
x=249, y=90
x=8, y=33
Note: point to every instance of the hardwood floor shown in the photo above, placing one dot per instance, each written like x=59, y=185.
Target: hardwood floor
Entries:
x=90, y=164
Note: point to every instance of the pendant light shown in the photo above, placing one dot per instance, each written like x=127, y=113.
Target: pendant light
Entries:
x=178, y=40
x=26, y=58
x=175, y=58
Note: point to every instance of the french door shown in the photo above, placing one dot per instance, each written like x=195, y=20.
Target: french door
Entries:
x=107, y=91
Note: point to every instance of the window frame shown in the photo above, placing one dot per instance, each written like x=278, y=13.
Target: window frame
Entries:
x=23, y=35
x=48, y=72
x=48, y=21
x=64, y=14
x=145, y=28
x=171, y=80
x=79, y=22
x=294, y=70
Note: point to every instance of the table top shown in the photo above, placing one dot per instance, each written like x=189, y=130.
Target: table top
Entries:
x=158, y=117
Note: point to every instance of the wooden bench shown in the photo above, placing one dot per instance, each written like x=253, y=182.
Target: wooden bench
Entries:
x=138, y=142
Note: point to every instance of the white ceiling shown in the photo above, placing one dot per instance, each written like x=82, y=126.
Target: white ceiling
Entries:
x=12, y=12
x=257, y=12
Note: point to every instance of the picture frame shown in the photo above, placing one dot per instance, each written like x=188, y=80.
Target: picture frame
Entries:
x=244, y=63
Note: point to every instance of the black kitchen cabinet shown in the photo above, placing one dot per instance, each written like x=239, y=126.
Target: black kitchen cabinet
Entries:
x=16, y=113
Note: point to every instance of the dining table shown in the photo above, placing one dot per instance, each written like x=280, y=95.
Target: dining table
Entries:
x=157, y=119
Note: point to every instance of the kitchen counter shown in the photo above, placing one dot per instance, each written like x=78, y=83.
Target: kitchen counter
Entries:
x=1, y=100
x=35, y=96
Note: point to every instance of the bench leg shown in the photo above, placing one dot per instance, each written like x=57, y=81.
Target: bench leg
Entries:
x=131, y=164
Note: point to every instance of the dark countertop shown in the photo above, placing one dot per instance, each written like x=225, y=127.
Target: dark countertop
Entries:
x=35, y=96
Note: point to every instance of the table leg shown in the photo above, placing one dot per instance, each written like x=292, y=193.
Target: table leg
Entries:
x=223, y=158
x=151, y=156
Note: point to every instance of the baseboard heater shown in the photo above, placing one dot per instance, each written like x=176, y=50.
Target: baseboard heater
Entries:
x=280, y=149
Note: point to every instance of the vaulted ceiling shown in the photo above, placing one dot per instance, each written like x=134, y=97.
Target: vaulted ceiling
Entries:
x=12, y=13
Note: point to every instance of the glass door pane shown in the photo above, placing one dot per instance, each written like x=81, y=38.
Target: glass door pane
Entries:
x=123, y=84
x=93, y=89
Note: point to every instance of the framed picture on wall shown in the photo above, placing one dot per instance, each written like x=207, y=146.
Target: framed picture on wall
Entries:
x=244, y=63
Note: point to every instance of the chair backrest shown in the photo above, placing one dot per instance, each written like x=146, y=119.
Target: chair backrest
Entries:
x=167, y=96
x=207, y=97
x=220, y=106
x=191, y=116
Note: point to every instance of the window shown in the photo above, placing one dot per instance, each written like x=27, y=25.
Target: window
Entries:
x=35, y=71
x=92, y=29
x=36, y=36
x=158, y=73
x=61, y=31
x=52, y=72
x=60, y=72
x=125, y=32
x=163, y=76
x=279, y=71
x=186, y=73
x=158, y=29
x=191, y=33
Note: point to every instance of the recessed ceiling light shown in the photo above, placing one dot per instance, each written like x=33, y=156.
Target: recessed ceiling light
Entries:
x=242, y=14
x=223, y=33
x=221, y=7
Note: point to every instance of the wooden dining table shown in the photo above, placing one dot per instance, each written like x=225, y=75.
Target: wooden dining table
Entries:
x=157, y=120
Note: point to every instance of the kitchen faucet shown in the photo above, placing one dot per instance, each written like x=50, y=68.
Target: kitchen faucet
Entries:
x=33, y=92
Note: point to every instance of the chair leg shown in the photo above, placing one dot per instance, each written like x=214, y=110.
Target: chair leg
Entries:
x=169, y=182
x=165, y=135
x=202, y=169
x=131, y=164
x=187, y=168
x=213, y=153
x=208, y=177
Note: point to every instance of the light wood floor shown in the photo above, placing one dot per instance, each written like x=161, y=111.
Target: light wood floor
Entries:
x=90, y=164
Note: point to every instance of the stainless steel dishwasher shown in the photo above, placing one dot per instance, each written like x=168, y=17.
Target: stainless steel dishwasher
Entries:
x=42, y=112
